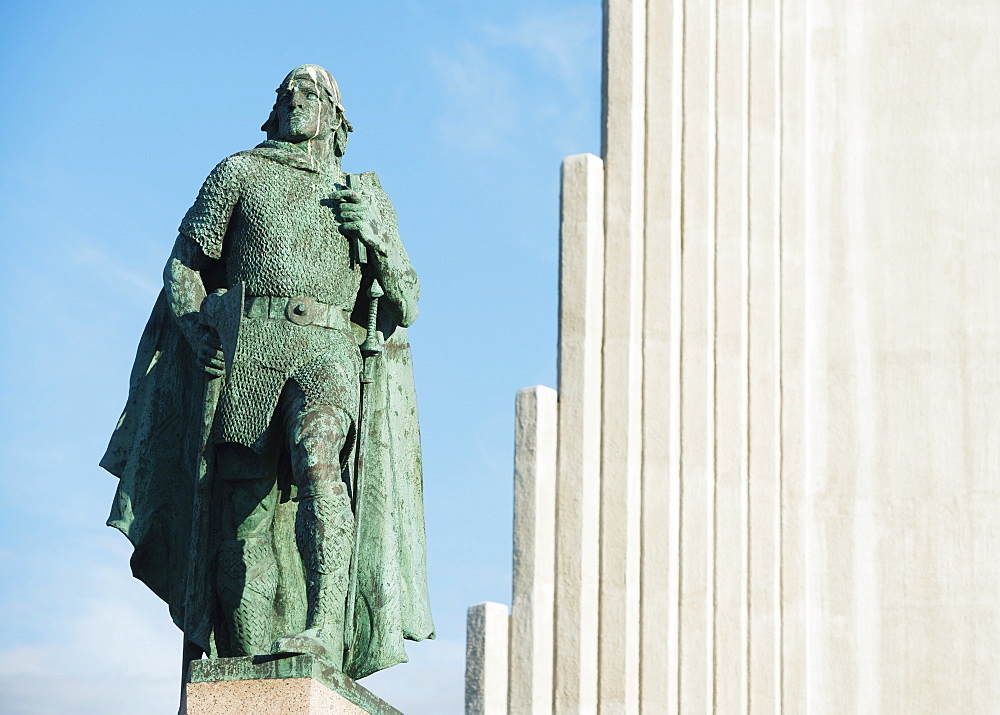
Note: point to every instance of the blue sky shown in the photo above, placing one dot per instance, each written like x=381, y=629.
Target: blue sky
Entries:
x=115, y=113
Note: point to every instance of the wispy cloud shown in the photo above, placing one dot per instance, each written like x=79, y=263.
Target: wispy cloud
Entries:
x=430, y=684
x=56, y=693
x=559, y=42
x=502, y=76
x=480, y=93
x=107, y=648
x=114, y=271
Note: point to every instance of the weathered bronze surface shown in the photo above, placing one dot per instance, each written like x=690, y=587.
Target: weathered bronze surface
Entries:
x=270, y=474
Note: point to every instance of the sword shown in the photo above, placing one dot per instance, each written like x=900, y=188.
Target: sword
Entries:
x=371, y=348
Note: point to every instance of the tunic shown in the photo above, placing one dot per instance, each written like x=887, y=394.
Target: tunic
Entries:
x=267, y=216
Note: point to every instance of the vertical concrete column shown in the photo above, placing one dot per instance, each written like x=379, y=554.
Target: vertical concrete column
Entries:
x=795, y=329
x=578, y=492
x=661, y=359
x=764, y=402
x=530, y=675
x=902, y=395
x=486, y=630
x=731, y=329
x=621, y=443
x=697, y=582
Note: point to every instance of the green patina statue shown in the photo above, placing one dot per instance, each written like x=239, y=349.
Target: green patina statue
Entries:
x=269, y=453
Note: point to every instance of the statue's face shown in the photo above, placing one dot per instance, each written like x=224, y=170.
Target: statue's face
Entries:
x=301, y=110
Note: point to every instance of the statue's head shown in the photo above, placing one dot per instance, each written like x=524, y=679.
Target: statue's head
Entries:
x=308, y=107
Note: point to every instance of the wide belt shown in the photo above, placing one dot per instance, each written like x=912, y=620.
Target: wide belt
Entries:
x=300, y=309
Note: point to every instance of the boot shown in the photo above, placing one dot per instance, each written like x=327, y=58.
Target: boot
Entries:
x=247, y=581
x=324, y=530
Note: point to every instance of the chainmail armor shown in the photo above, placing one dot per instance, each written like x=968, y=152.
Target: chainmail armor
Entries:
x=279, y=229
x=274, y=227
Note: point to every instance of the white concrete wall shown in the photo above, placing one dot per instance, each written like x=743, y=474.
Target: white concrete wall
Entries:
x=899, y=495
x=838, y=477
x=799, y=400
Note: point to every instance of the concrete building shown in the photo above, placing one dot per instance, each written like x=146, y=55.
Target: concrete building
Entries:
x=770, y=480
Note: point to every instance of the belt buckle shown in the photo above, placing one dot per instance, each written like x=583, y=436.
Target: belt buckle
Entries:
x=301, y=310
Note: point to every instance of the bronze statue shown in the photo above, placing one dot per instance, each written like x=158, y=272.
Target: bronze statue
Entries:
x=269, y=463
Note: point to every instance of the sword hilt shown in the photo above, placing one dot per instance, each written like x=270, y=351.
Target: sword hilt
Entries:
x=359, y=251
x=372, y=345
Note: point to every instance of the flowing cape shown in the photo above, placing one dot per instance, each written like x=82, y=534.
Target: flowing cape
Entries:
x=156, y=451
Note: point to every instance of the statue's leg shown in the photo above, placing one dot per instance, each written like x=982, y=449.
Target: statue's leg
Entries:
x=324, y=526
x=247, y=575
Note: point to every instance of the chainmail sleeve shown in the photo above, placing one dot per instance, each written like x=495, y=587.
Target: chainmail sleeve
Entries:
x=207, y=221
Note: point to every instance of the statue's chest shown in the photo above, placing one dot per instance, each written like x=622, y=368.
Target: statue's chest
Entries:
x=286, y=240
x=288, y=208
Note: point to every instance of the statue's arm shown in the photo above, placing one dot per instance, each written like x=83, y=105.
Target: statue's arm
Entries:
x=198, y=246
x=398, y=278
x=185, y=291
x=374, y=219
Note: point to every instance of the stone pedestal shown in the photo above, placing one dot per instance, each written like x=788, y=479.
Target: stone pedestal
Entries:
x=266, y=685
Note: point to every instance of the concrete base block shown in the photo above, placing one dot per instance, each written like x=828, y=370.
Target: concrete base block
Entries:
x=295, y=696
x=266, y=685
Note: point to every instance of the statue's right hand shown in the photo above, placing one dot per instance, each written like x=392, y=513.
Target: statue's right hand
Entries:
x=208, y=349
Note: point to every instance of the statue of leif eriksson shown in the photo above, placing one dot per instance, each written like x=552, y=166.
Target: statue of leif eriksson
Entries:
x=269, y=453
